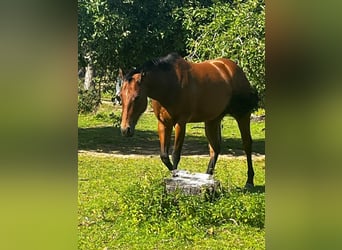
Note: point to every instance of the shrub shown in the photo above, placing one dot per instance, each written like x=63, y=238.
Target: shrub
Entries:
x=88, y=100
x=234, y=30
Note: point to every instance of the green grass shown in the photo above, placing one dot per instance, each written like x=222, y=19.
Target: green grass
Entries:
x=122, y=203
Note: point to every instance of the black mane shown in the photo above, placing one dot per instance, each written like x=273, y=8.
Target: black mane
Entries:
x=130, y=74
x=162, y=63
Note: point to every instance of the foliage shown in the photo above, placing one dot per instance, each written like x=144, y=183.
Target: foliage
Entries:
x=99, y=35
x=150, y=31
x=88, y=100
x=233, y=30
x=124, y=34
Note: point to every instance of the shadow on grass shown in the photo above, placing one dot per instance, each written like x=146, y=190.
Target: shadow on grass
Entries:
x=258, y=189
x=109, y=140
x=255, y=189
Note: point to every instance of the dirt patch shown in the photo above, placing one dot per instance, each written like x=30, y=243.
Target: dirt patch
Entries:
x=256, y=157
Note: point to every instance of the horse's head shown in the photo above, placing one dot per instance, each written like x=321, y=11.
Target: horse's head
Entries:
x=134, y=102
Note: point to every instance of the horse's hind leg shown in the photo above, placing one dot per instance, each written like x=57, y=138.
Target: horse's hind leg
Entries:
x=164, y=132
x=213, y=133
x=244, y=126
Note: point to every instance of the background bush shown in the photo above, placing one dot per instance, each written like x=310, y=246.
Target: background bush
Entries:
x=88, y=99
x=233, y=30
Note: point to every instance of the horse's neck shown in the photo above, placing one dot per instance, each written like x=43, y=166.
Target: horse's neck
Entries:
x=166, y=92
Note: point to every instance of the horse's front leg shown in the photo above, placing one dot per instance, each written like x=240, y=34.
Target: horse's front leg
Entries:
x=179, y=139
x=164, y=132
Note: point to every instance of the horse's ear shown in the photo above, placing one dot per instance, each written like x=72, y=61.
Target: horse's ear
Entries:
x=121, y=75
x=140, y=78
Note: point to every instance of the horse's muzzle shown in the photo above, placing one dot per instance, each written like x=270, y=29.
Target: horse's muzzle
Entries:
x=128, y=131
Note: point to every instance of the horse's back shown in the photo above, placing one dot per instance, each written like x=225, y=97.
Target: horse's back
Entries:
x=204, y=93
x=244, y=97
x=208, y=91
x=221, y=71
x=220, y=86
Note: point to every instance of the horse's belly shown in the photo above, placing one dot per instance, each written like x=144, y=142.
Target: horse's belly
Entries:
x=202, y=114
x=209, y=107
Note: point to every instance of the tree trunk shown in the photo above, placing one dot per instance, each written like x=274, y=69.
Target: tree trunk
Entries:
x=88, y=78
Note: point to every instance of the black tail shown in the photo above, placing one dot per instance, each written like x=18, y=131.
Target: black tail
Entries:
x=243, y=103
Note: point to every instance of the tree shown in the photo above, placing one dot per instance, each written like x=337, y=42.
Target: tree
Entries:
x=123, y=34
x=234, y=29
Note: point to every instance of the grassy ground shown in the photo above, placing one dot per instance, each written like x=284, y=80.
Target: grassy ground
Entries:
x=96, y=133
x=122, y=203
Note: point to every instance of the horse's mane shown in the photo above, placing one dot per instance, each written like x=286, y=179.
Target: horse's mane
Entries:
x=130, y=74
x=161, y=63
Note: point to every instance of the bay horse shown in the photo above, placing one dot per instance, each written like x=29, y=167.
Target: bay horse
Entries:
x=185, y=92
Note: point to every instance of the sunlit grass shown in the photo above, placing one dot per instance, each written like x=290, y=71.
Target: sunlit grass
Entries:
x=106, y=219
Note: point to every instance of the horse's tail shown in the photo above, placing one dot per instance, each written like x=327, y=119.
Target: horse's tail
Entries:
x=243, y=103
x=253, y=100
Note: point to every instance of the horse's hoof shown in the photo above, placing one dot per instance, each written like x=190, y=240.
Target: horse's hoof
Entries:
x=174, y=172
x=249, y=186
x=210, y=172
